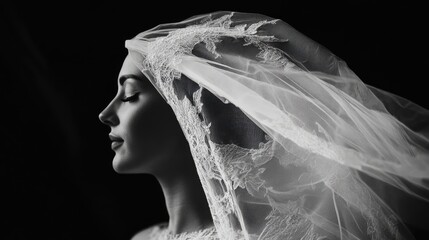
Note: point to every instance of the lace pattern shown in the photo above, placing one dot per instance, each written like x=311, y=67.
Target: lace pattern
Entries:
x=165, y=53
x=158, y=233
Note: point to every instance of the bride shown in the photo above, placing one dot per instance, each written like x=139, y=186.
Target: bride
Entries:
x=147, y=139
x=272, y=137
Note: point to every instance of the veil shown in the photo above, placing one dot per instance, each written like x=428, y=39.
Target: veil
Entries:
x=282, y=131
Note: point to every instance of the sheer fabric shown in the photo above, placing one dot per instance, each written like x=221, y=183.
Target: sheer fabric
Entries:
x=281, y=130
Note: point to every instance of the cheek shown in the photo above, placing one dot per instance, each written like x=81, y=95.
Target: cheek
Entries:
x=144, y=129
x=139, y=123
x=145, y=121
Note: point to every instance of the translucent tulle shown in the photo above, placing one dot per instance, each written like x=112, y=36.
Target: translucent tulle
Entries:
x=282, y=153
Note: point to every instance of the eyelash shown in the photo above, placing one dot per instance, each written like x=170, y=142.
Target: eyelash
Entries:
x=131, y=98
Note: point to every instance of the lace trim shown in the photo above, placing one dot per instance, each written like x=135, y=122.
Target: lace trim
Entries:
x=165, y=234
x=166, y=52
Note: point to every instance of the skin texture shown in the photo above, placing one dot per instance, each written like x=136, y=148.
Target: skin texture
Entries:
x=153, y=143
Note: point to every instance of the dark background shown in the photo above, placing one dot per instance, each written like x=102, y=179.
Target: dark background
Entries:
x=59, y=65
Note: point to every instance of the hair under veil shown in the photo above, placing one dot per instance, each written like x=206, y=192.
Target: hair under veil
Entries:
x=281, y=130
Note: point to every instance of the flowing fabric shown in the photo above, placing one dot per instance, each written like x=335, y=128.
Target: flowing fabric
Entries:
x=282, y=131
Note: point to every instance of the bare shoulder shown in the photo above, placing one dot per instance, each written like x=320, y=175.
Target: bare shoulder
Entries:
x=146, y=233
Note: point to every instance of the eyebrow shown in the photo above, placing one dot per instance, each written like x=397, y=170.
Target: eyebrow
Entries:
x=123, y=78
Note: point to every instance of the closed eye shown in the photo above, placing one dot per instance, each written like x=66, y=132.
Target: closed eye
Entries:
x=131, y=98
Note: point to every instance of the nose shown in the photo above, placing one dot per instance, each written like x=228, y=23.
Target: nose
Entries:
x=108, y=116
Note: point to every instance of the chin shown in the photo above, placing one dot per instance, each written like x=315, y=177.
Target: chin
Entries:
x=124, y=166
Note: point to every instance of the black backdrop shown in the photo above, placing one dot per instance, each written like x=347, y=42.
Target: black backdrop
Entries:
x=59, y=64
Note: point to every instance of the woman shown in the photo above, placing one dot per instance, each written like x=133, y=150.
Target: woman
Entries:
x=146, y=138
x=285, y=138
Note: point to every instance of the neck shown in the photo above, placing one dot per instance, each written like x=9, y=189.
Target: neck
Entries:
x=186, y=202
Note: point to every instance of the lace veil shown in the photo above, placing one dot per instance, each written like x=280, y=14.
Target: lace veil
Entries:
x=282, y=131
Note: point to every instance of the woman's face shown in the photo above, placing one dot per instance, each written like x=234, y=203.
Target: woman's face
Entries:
x=144, y=131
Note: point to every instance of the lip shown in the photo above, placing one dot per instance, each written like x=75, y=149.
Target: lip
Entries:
x=116, y=141
x=113, y=137
x=116, y=144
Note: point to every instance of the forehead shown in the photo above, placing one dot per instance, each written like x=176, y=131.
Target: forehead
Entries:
x=128, y=67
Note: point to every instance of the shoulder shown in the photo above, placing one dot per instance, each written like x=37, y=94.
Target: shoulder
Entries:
x=148, y=232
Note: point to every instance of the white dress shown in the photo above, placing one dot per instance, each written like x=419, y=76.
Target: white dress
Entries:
x=161, y=232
